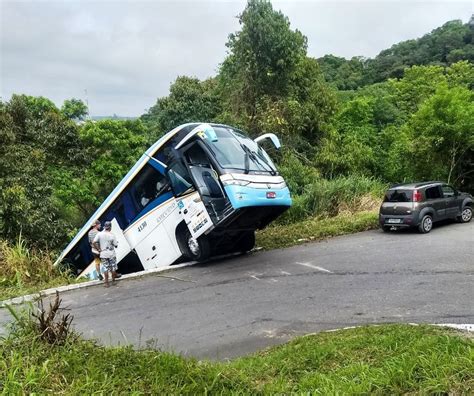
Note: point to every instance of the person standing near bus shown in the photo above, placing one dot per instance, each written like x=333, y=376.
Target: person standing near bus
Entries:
x=105, y=242
x=92, y=233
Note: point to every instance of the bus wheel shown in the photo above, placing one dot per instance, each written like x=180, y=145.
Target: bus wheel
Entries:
x=247, y=242
x=195, y=249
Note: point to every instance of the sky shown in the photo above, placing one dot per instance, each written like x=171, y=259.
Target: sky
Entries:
x=120, y=56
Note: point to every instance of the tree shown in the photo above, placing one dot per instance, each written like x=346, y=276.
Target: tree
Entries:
x=351, y=146
x=111, y=147
x=268, y=84
x=443, y=137
x=263, y=57
x=36, y=141
x=74, y=109
x=342, y=73
x=448, y=44
x=190, y=100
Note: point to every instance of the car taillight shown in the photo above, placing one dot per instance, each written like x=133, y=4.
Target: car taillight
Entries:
x=416, y=196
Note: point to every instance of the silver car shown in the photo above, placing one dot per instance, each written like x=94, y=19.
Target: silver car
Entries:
x=422, y=204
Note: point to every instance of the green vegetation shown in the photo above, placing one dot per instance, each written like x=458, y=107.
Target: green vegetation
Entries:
x=448, y=44
x=313, y=229
x=25, y=271
x=46, y=357
x=348, y=127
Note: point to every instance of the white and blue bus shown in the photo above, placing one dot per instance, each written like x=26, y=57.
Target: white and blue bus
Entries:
x=200, y=190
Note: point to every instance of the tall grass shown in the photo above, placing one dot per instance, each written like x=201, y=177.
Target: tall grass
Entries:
x=24, y=270
x=328, y=198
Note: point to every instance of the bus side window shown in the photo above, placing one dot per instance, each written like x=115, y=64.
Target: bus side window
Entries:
x=130, y=208
x=117, y=212
x=149, y=186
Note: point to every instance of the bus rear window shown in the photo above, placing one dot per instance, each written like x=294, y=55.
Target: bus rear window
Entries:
x=398, y=196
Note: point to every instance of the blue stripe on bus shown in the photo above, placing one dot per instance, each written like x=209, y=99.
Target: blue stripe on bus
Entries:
x=157, y=201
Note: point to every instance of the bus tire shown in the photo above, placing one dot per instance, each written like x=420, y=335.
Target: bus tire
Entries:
x=247, y=242
x=194, y=249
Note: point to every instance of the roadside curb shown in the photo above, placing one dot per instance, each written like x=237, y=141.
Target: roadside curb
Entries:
x=61, y=289
x=457, y=326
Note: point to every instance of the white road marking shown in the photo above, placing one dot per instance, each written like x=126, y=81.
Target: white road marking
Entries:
x=467, y=327
x=315, y=267
x=254, y=277
x=285, y=273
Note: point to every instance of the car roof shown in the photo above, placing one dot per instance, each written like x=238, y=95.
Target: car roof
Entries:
x=410, y=186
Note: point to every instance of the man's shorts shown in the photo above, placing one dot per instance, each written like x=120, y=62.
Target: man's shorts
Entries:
x=110, y=264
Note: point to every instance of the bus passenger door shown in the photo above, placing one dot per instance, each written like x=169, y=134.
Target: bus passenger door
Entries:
x=206, y=180
x=123, y=247
x=190, y=206
x=195, y=215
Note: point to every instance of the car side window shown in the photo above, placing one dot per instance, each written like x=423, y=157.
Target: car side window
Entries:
x=448, y=191
x=433, y=193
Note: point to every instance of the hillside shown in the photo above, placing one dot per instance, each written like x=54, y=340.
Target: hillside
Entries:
x=448, y=44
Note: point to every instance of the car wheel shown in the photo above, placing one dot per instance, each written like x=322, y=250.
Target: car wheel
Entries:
x=426, y=224
x=466, y=215
x=194, y=249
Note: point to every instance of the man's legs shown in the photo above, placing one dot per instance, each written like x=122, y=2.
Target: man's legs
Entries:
x=106, y=278
x=107, y=269
x=114, y=267
x=97, y=267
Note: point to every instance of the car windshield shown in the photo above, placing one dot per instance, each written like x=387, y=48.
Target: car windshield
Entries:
x=398, y=196
x=236, y=151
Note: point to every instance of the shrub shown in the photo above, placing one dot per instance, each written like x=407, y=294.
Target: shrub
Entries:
x=323, y=198
x=24, y=269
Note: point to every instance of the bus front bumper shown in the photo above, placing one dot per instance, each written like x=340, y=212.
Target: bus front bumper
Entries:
x=243, y=196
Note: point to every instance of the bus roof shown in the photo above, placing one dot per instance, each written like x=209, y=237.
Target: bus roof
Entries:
x=120, y=187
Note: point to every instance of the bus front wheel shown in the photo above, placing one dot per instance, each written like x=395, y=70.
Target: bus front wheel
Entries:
x=247, y=242
x=194, y=249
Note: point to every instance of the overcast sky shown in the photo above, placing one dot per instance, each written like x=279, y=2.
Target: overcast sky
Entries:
x=127, y=53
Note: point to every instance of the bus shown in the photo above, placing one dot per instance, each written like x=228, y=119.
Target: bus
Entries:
x=201, y=190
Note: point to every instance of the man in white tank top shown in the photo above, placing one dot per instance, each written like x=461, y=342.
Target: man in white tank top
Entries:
x=105, y=242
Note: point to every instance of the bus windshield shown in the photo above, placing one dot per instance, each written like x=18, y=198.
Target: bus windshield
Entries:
x=236, y=151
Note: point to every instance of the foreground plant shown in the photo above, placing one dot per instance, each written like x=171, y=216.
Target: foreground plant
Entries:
x=388, y=359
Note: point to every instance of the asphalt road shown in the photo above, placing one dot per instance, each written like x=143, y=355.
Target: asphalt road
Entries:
x=238, y=305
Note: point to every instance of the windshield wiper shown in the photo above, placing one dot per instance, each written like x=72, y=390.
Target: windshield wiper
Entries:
x=247, y=156
x=249, y=153
x=259, y=155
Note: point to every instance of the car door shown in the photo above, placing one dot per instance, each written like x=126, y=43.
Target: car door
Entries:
x=434, y=199
x=450, y=197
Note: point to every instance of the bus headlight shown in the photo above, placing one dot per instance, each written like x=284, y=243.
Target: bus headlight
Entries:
x=235, y=182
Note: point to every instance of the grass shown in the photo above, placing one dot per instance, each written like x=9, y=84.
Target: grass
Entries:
x=25, y=271
x=388, y=359
x=284, y=235
x=316, y=197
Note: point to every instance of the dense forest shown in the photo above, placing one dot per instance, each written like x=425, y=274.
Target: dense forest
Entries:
x=407, y=114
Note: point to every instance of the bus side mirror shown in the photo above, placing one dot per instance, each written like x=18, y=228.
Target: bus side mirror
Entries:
x=210, y=133
x=272, y=137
